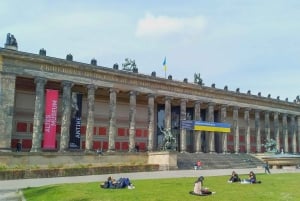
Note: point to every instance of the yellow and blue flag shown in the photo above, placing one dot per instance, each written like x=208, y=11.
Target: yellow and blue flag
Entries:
x=165, y=64
x=206, y=126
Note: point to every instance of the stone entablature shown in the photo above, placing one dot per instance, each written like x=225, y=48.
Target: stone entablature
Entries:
x=21, y=63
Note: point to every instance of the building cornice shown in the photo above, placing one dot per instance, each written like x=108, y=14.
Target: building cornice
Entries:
x=27, y=64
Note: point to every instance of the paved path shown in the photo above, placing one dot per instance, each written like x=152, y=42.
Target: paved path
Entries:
x=11, y=190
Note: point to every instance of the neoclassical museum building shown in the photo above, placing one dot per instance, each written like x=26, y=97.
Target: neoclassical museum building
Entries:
x=52, y=104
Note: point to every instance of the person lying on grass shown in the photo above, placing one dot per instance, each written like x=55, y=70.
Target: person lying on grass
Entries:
x=120, y=183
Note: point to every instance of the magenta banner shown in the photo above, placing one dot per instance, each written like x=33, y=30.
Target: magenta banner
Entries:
x=50, y=119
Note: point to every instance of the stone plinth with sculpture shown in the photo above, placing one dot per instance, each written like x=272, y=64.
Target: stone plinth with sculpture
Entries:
x=278, y=159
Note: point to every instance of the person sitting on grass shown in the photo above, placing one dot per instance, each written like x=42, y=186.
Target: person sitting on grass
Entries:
x=199, y=189
x=234, y=177
x=251, y=179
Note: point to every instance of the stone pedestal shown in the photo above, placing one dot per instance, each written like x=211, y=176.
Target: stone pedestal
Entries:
x=166, y=160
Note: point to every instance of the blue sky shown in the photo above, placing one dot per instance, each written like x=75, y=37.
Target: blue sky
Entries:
x=247, y=44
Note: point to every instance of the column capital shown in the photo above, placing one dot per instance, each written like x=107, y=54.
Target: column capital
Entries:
x=257, y=110
x=132, y=92
x=151, y=95
x=235, y=107
x=247, y=109
x=168, y=98
x=198, y=102
x=66, y=83
x=92, y=86
x=40, y=80
x=223, y=105
x=211, y=103
x=184, y=100
x=113, y=90
x=292, y=116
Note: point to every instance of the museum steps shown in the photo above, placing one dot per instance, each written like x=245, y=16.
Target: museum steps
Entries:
x=187, y=161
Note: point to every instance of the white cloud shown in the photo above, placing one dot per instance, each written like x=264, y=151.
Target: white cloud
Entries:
x=160, y=26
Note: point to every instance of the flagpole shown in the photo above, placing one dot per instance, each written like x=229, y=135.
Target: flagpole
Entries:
x=165, y=66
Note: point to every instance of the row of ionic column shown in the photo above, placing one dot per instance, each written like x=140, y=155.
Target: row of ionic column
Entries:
x=66, y=117
x=295, y=129
x=294, y=126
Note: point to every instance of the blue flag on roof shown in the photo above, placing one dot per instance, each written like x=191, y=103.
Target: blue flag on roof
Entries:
x=165, y=64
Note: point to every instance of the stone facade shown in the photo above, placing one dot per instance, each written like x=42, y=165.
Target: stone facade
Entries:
x=121, y=109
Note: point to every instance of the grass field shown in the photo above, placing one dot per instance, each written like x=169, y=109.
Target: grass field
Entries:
x=275, y=187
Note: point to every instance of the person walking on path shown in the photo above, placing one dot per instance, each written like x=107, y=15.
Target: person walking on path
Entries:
x=267, y=168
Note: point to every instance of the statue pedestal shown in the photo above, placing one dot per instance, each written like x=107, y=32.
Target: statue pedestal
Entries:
x=166, y=160
x=11, y=47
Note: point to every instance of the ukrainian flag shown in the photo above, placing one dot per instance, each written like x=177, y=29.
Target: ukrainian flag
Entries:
x=165, y=64
x=212, y=126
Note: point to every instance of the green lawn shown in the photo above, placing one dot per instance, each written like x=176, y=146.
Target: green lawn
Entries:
x=275, y=187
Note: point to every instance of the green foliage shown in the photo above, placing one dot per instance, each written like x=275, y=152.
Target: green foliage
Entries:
x=3, y=166
x=275, y=187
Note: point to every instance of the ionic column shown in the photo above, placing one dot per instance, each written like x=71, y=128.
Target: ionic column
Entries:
x=168, y=113
x=236, y=129
x=211, y=134
x=150, y=122
x=38, y=118
x=294, y=134
x=298, y=132
x=7, y=105
x=276, y=130
x=90, y=118
x=247, y=130
x=197, y=134
x=66, y=116
x=132, y=114
x=267, y=125
x=224, y=135
x=112, y=119
x=285, y=133
x=257, y=131
x=182, y=130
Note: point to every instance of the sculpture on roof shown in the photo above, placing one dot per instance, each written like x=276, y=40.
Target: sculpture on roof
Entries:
x=129, y=65
x=11, y=40
x=298, y=99
x=198, y=79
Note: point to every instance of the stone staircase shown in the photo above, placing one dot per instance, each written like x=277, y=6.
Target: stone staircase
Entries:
x=186, y=161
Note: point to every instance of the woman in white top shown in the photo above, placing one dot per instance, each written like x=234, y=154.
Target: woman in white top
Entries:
x=199, y=189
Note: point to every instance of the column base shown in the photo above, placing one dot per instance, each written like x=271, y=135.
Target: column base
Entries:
x=89, y=151
x=35, y=150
